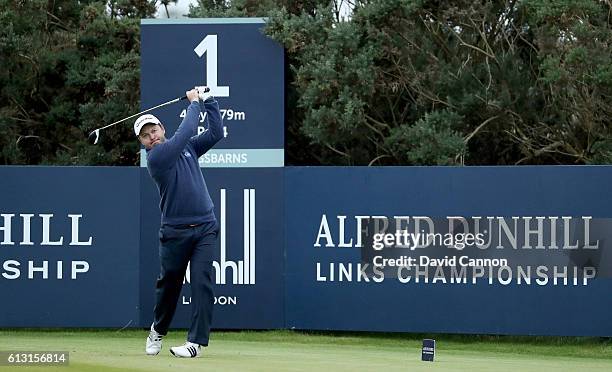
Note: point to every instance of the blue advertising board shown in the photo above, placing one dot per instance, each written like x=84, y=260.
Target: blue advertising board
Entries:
x=75, y=252
x=538, y=260
x=79, y=248
x=69, y=245
x=248, y=261
x=243, y=68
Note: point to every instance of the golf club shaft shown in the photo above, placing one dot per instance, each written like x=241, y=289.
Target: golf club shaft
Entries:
x=142, y=112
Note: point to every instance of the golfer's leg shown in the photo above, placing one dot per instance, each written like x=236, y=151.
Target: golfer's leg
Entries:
x=174, y=252
x=202, y=295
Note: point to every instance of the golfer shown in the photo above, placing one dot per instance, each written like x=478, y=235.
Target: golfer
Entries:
x=189, y=228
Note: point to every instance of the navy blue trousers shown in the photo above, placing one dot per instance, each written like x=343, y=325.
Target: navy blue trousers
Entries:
x=179, y=245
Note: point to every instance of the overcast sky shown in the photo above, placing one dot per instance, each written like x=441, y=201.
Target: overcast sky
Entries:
x=182, y=7
x=176, y=11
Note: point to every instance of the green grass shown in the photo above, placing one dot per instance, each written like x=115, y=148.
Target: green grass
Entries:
x=96, y=350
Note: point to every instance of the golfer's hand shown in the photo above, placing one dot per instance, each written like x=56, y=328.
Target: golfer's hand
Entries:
x=204, y=93
x=192, y=95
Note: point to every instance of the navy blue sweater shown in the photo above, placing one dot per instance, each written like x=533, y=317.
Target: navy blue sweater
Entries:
x=174, y=166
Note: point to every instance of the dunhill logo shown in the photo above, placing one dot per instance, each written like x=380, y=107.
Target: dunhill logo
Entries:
x=241, y=272
x=6, y=228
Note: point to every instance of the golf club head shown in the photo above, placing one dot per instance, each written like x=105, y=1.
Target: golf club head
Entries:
x=94, y=137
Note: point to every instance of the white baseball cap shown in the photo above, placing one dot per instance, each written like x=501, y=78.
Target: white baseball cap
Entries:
x=144, y=120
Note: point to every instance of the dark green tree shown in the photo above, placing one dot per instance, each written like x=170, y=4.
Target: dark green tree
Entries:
x=398, y=82
x=461, y=82
x=69, y=67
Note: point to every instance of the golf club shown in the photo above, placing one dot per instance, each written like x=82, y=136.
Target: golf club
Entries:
x=94, y=136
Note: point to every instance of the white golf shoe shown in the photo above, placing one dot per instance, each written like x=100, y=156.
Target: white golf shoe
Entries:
x=188, y=350
x=154, y=342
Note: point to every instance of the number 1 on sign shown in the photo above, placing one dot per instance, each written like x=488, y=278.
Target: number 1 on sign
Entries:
x=208, y=46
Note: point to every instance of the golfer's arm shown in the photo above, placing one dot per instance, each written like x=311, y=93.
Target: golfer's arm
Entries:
x=206, y=140
x=165, y=154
